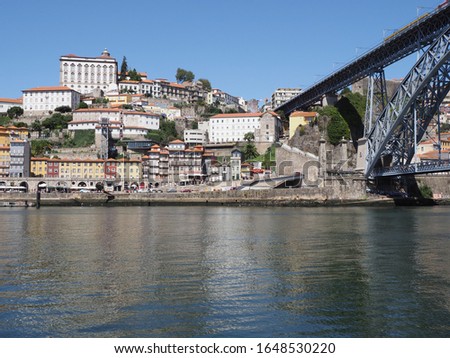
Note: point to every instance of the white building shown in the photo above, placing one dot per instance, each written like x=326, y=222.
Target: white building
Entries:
x=217, y=95
x=195, y=136
x=7, y=103
x=282, y=95
x=41, y=100
x=122, y=123
x=84, y=74
x=171, y=113
x=232, y=127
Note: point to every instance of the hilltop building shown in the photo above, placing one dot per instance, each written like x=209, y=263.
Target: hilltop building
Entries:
x=300, y=118
x=84, y=74
x=41, y=100
x=282, y=95
x=7, y=103
x=122, y=123
x=232, y=127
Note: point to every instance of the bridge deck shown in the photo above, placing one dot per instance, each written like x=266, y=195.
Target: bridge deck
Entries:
x=404, y=42
x=416, y=168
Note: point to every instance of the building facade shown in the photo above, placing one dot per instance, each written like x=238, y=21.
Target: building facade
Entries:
x=195, y=136
x=232, y=127
x=270, y=128
x=7, y=103
x=218, y=96
x=84, y=74
x=41, y=100
x=20, y=158
x=282, y=95
x=14, y=137
x=300, y=118
x=122, y=123
x=176, y=163
x=118, y=170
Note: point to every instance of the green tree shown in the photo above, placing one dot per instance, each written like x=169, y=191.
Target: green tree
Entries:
x=20, y=124
x=40, y=146
x=56, y=121
x=249, y=137
x=63, y=109
x=269, y=157
x=123, y=69
x=14, y=112
x=206, y=84
x=352, y=108
x=250, y=151
x=36, y=126
x=425, y=191
x=83, y=105
x=337, y=127
x=5, y=121
x=184, y=76
x=166, y=133
x=134, y=75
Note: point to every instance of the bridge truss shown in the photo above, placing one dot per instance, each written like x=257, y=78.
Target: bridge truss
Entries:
x=392, y=141
x=413, y=37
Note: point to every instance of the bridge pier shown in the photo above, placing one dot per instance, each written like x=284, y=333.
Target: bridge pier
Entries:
x=361, y=155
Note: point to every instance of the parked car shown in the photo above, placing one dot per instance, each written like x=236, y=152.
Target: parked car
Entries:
x=154, y=190
x=172, y=190
x=186, y=190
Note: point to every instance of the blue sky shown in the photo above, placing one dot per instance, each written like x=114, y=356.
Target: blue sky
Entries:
x=247, y=48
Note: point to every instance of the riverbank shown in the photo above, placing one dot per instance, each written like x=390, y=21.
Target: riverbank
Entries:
x=302, y=197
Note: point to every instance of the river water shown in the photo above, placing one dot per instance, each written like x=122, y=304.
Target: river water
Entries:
x=224, y=272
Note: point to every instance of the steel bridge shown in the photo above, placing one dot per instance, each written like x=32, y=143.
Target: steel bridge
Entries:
x=394, y=127
x=402, y=43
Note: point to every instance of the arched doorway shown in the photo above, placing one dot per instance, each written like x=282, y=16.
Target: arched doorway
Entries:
x=42, y=186
x=24, y=184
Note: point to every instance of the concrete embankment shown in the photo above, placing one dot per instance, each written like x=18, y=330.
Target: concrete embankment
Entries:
x=279, y=197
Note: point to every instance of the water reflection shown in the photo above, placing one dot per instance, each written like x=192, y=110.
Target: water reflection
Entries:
x=224, y=272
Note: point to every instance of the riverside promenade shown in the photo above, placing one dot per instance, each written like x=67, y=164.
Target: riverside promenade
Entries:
x=275, y=197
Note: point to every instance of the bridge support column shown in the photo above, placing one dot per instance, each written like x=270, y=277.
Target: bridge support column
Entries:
x=322, y=157
x=343, y=161
x=361, y=155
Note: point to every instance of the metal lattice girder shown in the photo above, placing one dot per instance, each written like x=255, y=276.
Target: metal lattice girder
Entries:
x=376, y=99
x=406, y=117
x=417, y=35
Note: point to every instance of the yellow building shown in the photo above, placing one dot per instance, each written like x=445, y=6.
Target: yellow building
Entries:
x=4, y=152
x=39, y=167
x=6, y=134
x=117, y=100
x=82, y=168
x=299, y=118
x=129, y=170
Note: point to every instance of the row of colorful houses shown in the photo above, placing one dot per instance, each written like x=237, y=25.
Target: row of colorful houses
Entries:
x=174, y=163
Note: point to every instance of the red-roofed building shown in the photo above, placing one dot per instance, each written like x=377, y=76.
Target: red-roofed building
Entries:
x=122, y=123
x=176, y=163
x=7, y=103
x=232, y=127
x=41, y=100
